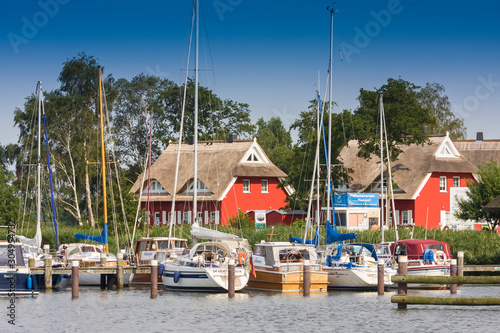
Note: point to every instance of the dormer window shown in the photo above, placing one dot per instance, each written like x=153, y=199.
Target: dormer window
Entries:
x=252, y=158
x=156, y=188
x=201, y=188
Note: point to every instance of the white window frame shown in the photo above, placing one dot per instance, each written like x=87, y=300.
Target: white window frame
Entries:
x=456, y=179
x=442, y=183
x=207, y=221
x=246, y=185
x=164, y=219
x=264, y=185
x=405, y=218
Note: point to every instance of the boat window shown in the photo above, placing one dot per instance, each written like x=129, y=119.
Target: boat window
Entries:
x=179, y=243
x=258, y=251
x=162, y=245
x=142, y=246
x=437, y=247
x=74, y=251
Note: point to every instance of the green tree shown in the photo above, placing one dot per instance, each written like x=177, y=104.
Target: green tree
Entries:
x=432, y=97
x=405, y=118
x=276, y=141
x=481, y=192
x=9, y=200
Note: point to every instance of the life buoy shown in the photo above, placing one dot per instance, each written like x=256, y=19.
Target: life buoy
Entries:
x=440, y=258
x=242, y=258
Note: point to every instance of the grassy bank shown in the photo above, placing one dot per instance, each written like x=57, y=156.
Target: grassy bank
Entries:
x=479, y=247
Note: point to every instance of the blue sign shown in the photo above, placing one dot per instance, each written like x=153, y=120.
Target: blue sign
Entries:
x=356, y=200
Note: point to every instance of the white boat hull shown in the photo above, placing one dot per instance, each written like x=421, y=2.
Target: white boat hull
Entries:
x=355, y=278
x=187, y=278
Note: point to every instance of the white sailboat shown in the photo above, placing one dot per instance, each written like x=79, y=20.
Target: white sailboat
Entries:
x=206, y=266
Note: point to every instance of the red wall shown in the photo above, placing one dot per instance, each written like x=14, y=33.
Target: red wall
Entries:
x=431, y=201
x=235, y=198
x=255, y=200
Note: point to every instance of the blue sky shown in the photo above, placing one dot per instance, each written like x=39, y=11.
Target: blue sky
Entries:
x=264, y=53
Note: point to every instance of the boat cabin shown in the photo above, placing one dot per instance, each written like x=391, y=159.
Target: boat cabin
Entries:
x=421, y=249
x=275, y=253
x=158, y=248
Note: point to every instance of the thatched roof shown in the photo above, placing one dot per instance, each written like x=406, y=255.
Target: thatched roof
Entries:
x=479, y=152
x=494, y=205
x=409, y=172
x=218, y=165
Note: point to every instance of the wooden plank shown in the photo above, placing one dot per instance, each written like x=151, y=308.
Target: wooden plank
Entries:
x=481, y=268
x=446, y=279
x=476, y=301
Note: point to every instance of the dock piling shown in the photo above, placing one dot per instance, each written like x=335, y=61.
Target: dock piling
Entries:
x=306, y=278
x=31, y=261
x=230, y=278
x=381, y=277
x=154, y=279
x=119, y=270
x=75, y=279
x=48, y=272
x=453, y=272
x=46, y=249
x=402, y=287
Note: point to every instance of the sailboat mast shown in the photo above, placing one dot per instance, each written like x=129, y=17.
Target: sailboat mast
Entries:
x=39, y=164
x=329, y=162
x=103, y=157
x=195, y=176
x=381, y=165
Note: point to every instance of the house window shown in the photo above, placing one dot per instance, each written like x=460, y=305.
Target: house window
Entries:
x=264, y=186
x=456, y=181
x=404, y=217
x=442, y=183
x=200, y=218
x=187, y=217
x=157, y=218
x=201, y=188
x=246, y=186
x=212, y=217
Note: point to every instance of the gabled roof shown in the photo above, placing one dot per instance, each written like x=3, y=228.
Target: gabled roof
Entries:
x=410, y=171
x=219, y=163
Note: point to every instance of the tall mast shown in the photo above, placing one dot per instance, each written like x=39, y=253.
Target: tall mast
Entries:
x=381, y=165
x=195, y=176
x=329, y=161
x=103, y=157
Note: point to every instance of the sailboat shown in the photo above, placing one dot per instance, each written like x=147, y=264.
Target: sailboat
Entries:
x=31, y=247
x=89, y=255
x=206, y=266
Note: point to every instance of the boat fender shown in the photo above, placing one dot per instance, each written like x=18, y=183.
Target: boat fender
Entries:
x=177, y=276
x=242, y=258
x=29, y=283
x=329, y=261
x=430, y=257
x=160, y=269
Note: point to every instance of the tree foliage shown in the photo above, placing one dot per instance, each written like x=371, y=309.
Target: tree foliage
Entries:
x=432, y=97
x=276, y=141
x=405, y=118
x=481, y=192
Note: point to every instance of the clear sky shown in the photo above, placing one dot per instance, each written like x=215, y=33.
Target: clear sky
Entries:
x=264, y=53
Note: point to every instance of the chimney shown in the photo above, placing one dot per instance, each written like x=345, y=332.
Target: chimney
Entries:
x=479, y=137
x=191, y=140
x=232, y=138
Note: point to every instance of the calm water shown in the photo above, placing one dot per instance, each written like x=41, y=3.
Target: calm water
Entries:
x=132, y=310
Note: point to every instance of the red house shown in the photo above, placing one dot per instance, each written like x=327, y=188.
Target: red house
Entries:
x=232, y=176
x=427, y=179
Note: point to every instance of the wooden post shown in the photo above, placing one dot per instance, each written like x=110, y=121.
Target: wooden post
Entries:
x=460, y=256
x=75, y=279
x=119, y=270
x=48, y=272
x=104, y=277
x=46, y=248
x=306, y=288
x=154, y=279
x=31, y=261
x=402, y=287
x=453, y=272
x=230, y=278
x=381, y=277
